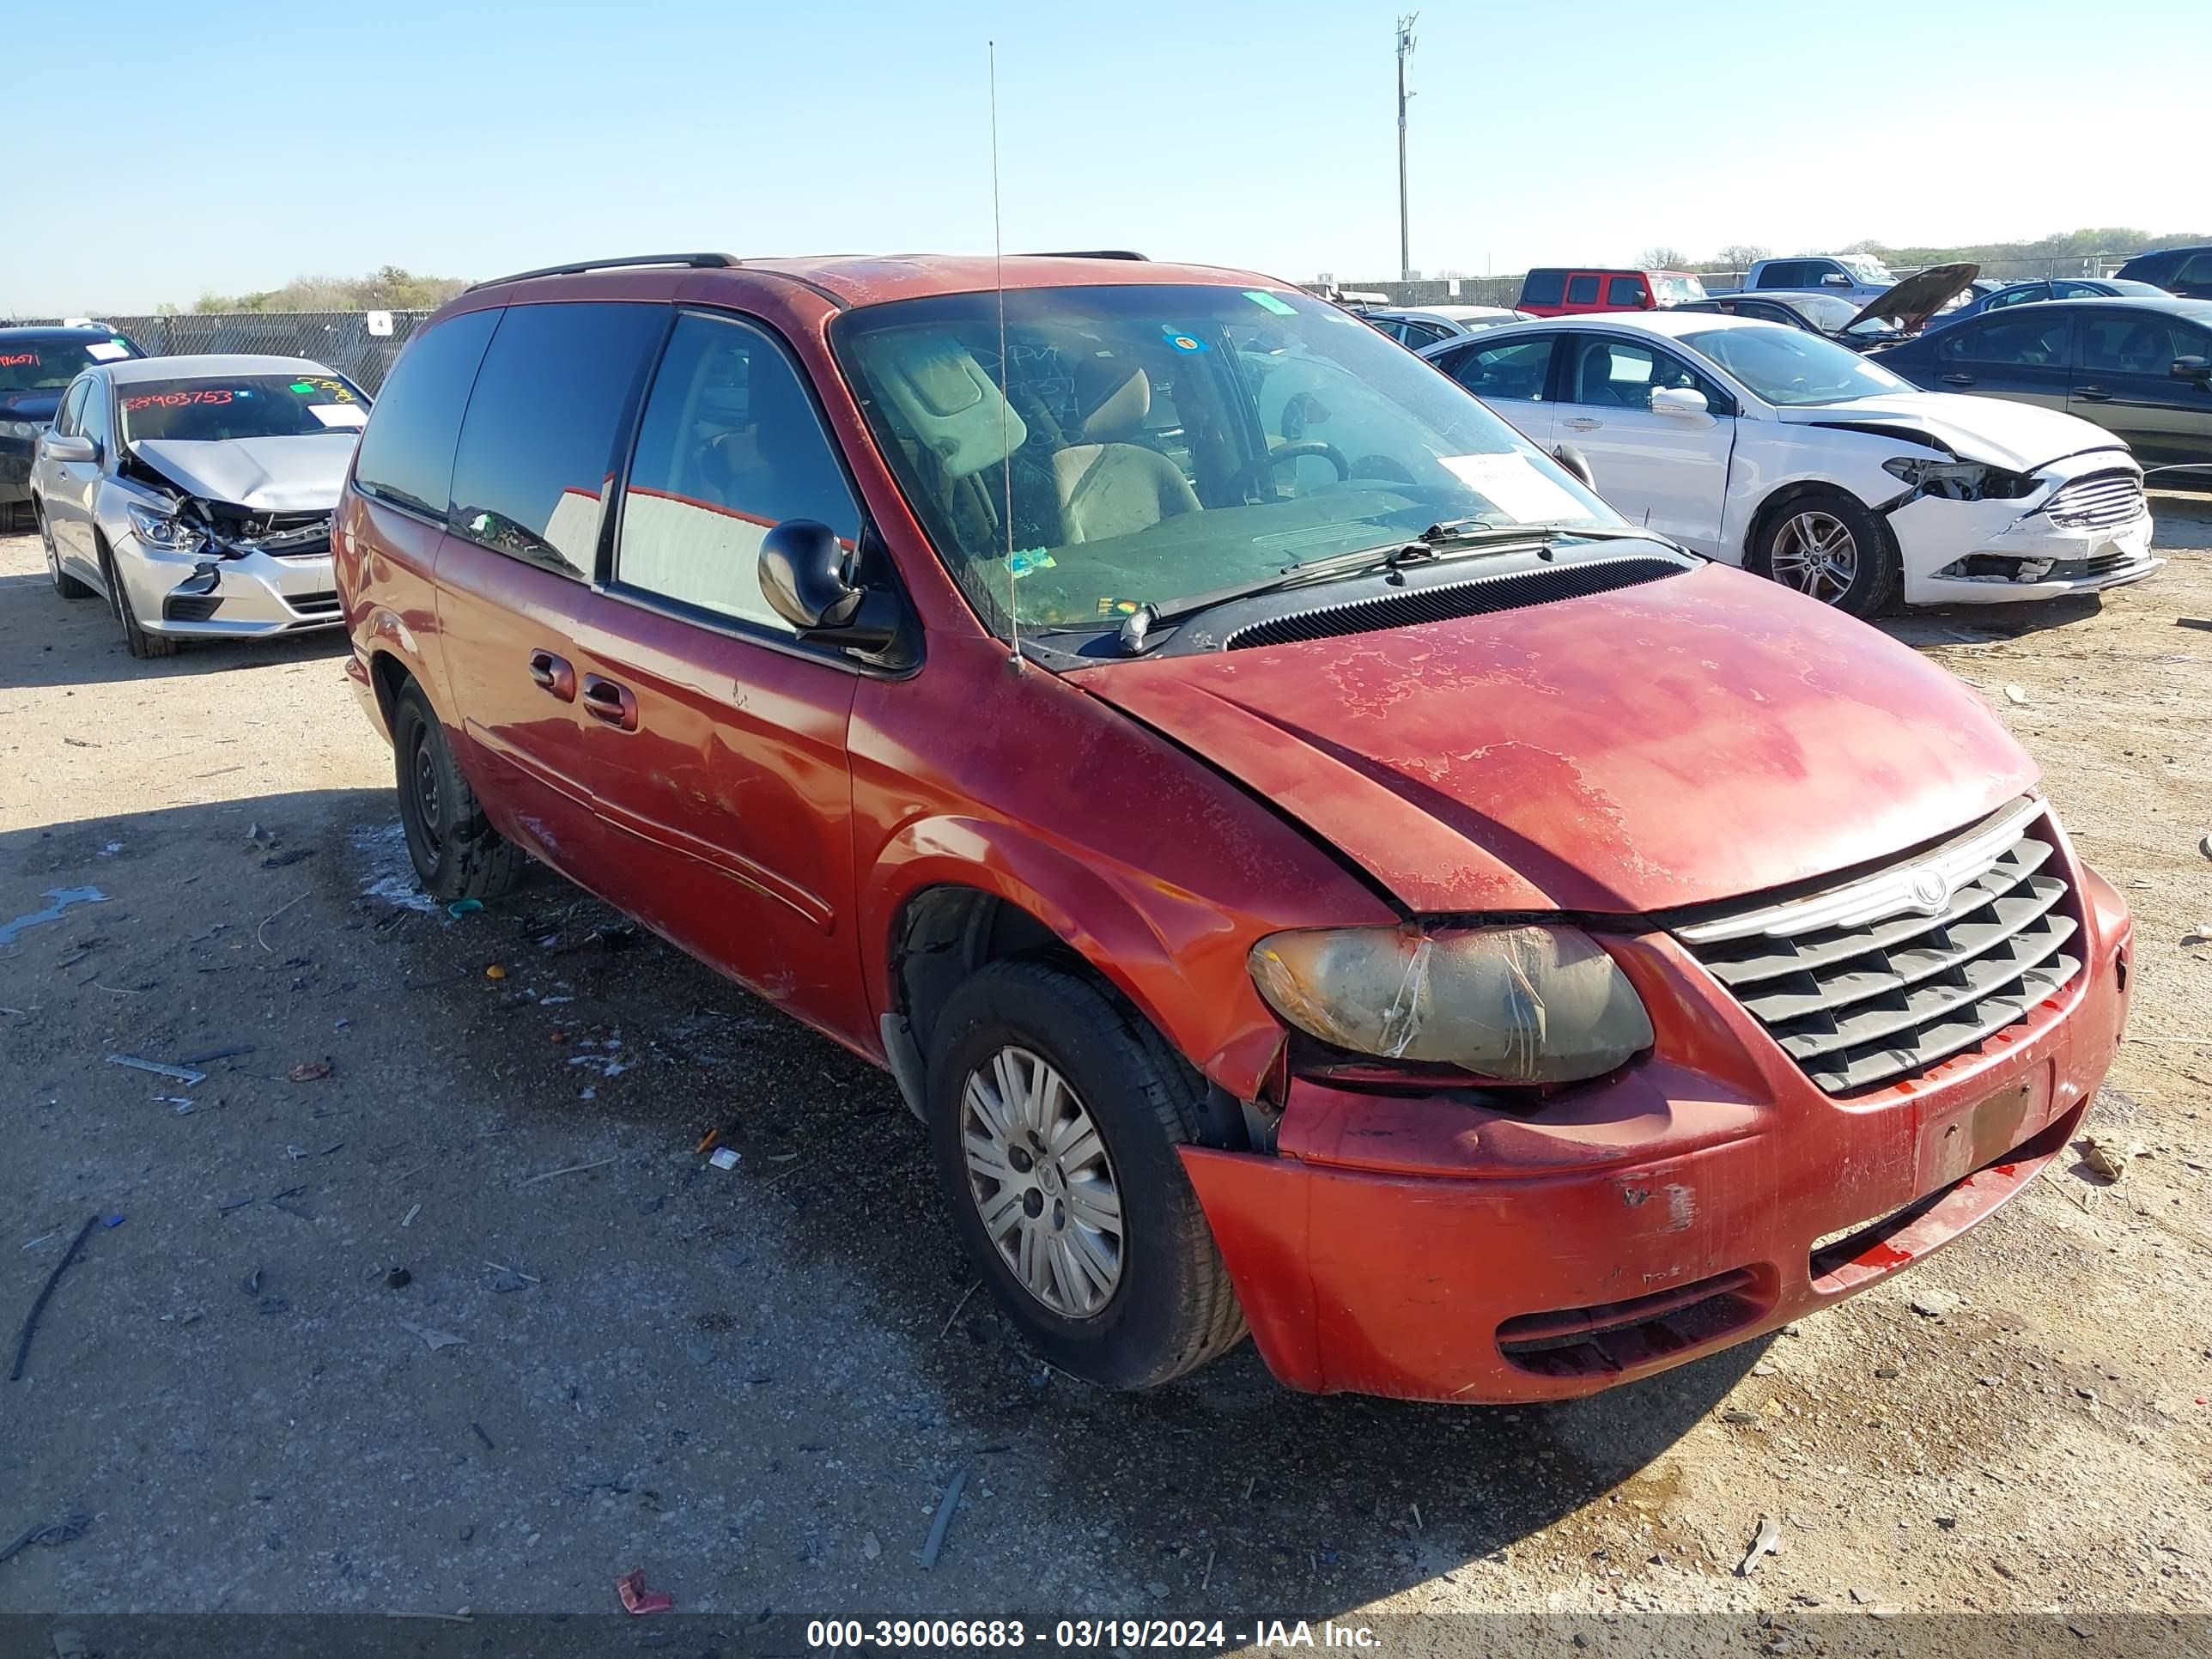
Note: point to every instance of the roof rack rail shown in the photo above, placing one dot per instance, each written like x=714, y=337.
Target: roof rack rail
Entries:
x=696, y=261
x=1087, y=253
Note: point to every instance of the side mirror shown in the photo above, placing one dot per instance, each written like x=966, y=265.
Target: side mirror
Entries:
x=73, y=450
x=1835, y=279
x=2191, y=368
x=1681, y=400
x=806, y=573
x=1577, y=463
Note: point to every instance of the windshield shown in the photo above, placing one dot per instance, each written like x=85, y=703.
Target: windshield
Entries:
x=1824, y=310
x=1789, y=365
x=1867, y=269
x=1154, y=443
x=242, y=406
x=48, y=365
x=1678, y=290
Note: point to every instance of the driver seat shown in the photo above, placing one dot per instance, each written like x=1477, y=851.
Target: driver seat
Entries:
x=1103, y=484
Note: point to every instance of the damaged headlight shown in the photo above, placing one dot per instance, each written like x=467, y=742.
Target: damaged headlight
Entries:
x=1541, y=1002
x=159, y=529
x=1959, y=481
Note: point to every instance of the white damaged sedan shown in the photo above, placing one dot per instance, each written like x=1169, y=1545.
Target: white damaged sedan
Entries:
x=1796, y=457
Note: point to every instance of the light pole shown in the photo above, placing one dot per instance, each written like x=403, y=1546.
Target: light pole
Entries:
x=1405, y=236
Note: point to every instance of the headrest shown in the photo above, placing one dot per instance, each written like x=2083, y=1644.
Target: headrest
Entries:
x=949, y=402
x=1114, y=399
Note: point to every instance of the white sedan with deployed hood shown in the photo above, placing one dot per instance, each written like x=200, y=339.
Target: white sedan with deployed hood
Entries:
x=195, y=494
x=1794, y=457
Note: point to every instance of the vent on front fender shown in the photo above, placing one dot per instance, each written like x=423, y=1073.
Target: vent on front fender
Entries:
x=1447, y=601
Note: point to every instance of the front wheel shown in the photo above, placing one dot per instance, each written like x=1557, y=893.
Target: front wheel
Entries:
x=136, y=640
x=1830, y=547
x=456, y=852
x=1055, y=1117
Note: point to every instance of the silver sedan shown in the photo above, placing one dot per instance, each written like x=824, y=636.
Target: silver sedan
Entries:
x=195, y=494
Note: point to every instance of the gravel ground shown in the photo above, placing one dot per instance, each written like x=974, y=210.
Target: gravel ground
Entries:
x=755, y=1385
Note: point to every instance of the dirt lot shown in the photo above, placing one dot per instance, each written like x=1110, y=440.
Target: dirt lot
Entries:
x=756, y=1385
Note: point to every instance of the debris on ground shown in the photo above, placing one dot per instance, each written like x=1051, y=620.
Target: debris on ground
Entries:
x=942, y=1523
x=279, y=860
x=1765, y=1541
x=463, y=906
x=310, y=1070
x=229, y=1051
x=1935, y=1305
x=2013, y=694
x=2103, y=1161
x=183, y=1074
x=39, y=1305
x=67, y=1531
x=399, y=1279
x=495, y=972
x=723, y=1157
x=639, y=1601
x=62, y=897
x=870, y=1547
x=573, y=1169
x=436, y=1340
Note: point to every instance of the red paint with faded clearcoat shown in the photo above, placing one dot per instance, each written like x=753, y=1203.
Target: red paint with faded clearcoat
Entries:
x=1702, y=738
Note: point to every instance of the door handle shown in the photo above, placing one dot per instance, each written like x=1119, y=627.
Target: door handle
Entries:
x=1957, y=380
x=2095, y=394
x=553, y=674
x=610, y=703
x=1582, y=423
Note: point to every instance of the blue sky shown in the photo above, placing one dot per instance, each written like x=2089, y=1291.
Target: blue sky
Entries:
x=234, y=147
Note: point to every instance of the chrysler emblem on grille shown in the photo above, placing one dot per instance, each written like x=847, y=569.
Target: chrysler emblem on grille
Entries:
x=1931, y=889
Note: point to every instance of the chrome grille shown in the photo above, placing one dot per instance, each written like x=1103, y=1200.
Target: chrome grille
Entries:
x=2098, y=501
x=1888, y=974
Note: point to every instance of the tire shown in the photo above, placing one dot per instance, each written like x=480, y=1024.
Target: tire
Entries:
x=64, y=584
x=456, y=852
x=1858, y=571
x=136, y=640
x=1169, y=1306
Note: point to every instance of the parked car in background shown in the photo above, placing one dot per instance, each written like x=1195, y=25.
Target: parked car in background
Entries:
x=1858, y=276
x=1896, y=313
x=1772, y=448
x=1301, y=884
x=2056, y=288
x=2186, y=272
x=1419, y=326
x=36, y=366
x=194, y=493
x=1567, y=290
x=2142, y=369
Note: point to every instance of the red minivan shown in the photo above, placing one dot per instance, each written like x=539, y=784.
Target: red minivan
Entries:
x=1314, y=867
x=1568, y=290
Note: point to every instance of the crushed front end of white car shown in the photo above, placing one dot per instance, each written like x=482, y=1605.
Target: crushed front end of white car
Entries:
x=1972, y=533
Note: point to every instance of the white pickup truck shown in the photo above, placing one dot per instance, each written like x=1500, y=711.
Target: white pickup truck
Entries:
x=1859, y=276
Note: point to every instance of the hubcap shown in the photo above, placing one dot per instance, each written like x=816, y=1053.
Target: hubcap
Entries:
x=426, y=806
x=1817, y=553
x=1042, y=1182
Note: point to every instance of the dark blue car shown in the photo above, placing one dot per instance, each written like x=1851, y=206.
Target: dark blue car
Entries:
x=2141, y=369
x=36, y=366
x=2059, y=288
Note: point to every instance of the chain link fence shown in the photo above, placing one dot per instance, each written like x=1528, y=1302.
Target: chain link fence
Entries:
x=343, y=340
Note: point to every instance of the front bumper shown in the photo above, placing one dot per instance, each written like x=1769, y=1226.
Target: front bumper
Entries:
x=1422, y=1248
x=251, y=596
x=1984, y=565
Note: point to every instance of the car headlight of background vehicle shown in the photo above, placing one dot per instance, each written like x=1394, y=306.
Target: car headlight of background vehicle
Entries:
x=158, y=530
x=1539, y=1003
x=23, y=429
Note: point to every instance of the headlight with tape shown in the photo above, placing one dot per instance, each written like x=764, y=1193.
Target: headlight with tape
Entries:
x=1536, y=1003
x=158, y=530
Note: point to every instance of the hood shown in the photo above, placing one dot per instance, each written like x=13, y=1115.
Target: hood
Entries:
x=262, y=474
x=1693, y=739
x=1995, y=430
x=1919, y=297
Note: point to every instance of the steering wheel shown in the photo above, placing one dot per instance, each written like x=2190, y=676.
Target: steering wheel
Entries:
x=1291, y=452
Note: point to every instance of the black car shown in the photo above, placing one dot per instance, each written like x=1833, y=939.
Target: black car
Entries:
x=36, y=366
x=2183, y=271
x=2141, y=368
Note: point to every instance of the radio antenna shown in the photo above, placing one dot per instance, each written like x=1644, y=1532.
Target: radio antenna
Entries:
x=1006, y=452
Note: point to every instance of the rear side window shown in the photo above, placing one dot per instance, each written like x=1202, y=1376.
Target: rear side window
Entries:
x=1516, y=372
x=538, y=451
x=729, y=446
x=1787, y=273
x=1582, y=291
x=406, y=455
x=1418, y=334
x=1543, y=287
x=2198, y=269
x=1626, y=291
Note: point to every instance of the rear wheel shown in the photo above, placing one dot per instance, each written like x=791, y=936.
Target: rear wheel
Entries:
x=64, y=584
x=1828, y=546
x=1056, y=1117
x=135, y=639
x=456, y=852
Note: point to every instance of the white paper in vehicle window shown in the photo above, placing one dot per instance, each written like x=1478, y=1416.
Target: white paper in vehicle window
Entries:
x=353, y=415
x=1512, y=485
x=106, y=351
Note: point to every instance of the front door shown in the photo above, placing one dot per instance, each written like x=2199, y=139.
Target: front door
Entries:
x=2019, y=354
x=1665, y=471
x=67, y=488
x=2123, y=380
x=716, y=740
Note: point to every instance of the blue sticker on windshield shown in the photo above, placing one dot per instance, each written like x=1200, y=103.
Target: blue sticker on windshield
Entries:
x=1182, y=342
